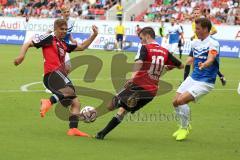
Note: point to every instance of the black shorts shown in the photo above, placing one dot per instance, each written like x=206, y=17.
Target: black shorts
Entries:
x=119, y=17
x=132, y=99
x=54, y=81
x=119, y=37
x=180, y=43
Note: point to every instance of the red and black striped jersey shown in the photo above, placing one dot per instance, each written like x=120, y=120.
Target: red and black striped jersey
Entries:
x=54, y=51
x=154, y=59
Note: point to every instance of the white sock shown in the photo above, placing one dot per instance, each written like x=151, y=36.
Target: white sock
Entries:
x=184, y=113
x=177, y=110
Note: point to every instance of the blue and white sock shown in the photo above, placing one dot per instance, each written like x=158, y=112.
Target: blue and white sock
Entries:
x=184, y=115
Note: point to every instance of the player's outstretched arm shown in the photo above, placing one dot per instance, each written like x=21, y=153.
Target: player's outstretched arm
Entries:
x=86, y=43
x=176, y=62
x=23, y=52
x=73, y=41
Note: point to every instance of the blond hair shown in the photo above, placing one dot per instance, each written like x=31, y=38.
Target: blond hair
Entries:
x=59, y=22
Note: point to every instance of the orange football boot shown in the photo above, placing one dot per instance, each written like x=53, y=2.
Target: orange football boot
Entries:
x=76, y=132
x=45, y=106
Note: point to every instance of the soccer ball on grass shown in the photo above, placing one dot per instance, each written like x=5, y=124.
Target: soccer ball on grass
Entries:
x=88, y=114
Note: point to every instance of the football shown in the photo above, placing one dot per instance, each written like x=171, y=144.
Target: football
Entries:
x=88, y=114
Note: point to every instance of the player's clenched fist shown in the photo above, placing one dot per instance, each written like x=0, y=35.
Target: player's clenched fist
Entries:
x=18, y=60
x=201, y=65
x=95, y=29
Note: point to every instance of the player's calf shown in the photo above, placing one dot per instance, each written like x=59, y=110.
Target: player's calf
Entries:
x=74, y=116
x=115, y=121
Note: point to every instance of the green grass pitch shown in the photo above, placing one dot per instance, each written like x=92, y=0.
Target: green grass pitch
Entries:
x=24, y=135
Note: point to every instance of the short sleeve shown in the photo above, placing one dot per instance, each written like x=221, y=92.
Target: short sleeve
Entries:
x=167, y=31
x=142, y=53
x=173, y=60
x=214, y=48
x=71, y=23
x=71, y=47
x=42, y=40
x=193, y=44
x=180, y=29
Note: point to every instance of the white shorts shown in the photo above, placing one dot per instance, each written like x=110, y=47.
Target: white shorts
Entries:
x=173, y=48
x=196, y=88
x=67, y=59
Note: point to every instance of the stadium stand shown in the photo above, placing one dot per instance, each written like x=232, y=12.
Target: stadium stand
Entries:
x=84, y=9
x=219, y=11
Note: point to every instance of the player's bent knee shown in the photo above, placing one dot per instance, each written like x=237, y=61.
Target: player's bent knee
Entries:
x=175, y=103
x=113, y=104
x=180, y=101
x=66, y=102
x=68, y=96
x=68, y=92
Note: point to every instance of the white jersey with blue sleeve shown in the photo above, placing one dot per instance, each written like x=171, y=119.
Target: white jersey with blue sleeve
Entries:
x=174, y=32
x=200, y=50
x=70, y=24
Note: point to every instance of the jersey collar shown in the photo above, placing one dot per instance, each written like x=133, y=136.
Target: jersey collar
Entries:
x=56, y=37
x=206, y=39
x=153, y=42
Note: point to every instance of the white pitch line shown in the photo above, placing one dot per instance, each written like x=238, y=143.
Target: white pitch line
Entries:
x=9, y=90
x=16, y=91
x=24, y=88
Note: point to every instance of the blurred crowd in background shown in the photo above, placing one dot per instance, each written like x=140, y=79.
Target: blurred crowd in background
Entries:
x=84, y=9
x=219, y=11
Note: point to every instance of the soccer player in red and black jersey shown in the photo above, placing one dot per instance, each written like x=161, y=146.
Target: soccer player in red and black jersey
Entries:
x=54, y=49
x=150, y=62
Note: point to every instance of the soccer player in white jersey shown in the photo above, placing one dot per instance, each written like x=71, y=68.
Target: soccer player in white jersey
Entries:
x=174, y=34
x=205, y=52
x=68, y=38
